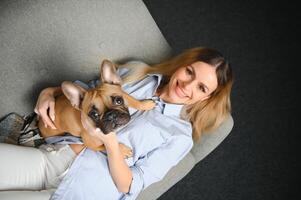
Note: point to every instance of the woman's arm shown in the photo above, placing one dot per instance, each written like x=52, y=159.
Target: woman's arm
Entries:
x=46, y=100
x=153, y=166
x=56, y=91
x=120, y=172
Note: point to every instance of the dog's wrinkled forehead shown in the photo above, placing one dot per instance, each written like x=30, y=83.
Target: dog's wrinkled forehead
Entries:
x=92, y=100
x=106, y=96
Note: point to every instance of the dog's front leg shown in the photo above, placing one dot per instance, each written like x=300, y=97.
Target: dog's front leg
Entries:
x=139, y=105
x=92, y=142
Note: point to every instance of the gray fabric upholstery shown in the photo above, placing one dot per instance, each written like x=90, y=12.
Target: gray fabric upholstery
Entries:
x=45, y=42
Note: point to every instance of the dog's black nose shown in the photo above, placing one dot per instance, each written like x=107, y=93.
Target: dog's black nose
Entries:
x=117, y=116
x=111, y=115
x=113, y=119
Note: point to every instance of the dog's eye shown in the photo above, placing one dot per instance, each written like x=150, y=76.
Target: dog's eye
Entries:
x=94, y=113
x=117, y=100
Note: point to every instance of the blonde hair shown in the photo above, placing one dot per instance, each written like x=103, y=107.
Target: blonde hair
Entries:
x=205, y=115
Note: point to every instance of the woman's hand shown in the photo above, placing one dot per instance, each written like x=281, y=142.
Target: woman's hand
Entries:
x=46, y=100
x=108, y=139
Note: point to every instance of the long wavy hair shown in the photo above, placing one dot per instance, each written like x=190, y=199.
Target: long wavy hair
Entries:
x=205, y=115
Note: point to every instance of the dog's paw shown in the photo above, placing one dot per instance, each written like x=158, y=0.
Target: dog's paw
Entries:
x=125, y=151
x=148, y=104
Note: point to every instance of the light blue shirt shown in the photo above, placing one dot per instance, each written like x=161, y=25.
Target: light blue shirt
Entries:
x=159, y=139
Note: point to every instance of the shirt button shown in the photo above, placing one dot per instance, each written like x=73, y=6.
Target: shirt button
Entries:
x=50, y=148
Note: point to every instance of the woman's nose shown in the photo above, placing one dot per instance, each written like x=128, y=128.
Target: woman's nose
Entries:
x=187, y=86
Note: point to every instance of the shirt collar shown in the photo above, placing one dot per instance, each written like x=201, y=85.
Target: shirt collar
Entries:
x=168, y=108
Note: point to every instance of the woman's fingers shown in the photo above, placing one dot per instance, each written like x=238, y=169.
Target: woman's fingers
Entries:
x=36, y=108
x=42, y=112
x=46, y=101
x=47, y=121
x=52, y=111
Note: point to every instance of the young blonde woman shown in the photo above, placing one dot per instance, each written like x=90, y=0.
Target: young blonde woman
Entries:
x=192, y=95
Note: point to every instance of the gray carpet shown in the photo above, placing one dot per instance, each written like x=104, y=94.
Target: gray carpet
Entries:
x=260, y=158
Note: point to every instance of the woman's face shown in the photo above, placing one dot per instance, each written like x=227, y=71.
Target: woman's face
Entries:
x=190, y=84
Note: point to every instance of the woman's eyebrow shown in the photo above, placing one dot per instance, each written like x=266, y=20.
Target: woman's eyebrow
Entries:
x=206, y=88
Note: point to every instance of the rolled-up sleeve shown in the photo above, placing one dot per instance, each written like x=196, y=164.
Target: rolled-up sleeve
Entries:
x=154, y=165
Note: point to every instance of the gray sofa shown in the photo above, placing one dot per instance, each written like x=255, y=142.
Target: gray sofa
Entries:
x=45, y=42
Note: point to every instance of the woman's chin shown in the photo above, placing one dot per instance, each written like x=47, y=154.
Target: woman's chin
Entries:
x=176, y=99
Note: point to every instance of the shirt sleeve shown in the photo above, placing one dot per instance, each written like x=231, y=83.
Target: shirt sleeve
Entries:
x=154, y=165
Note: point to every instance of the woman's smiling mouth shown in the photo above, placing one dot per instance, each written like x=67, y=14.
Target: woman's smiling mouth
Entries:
x=179, y=91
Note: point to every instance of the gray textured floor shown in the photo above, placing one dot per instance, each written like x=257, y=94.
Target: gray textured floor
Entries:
x=259, y=159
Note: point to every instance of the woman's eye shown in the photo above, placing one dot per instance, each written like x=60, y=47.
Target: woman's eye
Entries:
x=202, y=88
x=188, y=71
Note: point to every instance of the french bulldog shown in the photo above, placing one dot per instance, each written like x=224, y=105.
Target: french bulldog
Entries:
x=106, y=107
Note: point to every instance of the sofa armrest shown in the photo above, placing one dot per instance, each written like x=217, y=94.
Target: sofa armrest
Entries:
x=211, y=140
x=174, y=175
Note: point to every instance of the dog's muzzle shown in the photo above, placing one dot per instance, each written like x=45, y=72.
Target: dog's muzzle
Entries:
x=113, y=119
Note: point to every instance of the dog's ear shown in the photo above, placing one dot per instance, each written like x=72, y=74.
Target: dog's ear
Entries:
x=74, y=93
x=108, y=73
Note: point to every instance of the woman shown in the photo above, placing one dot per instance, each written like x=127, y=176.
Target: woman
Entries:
x=192, y=92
